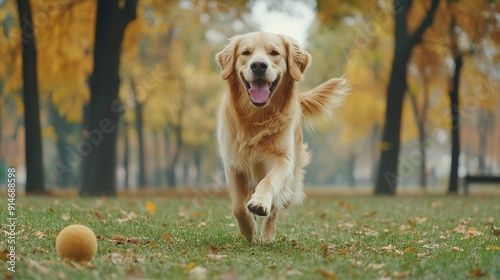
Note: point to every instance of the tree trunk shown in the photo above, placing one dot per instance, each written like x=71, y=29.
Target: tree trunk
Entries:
x=171, y=176
x=65, y=167
x=351, y=167
x=197, y=163
x=455, y=126
x=99, y=146
x=158, y=174
x=483, y=128
x=423, y=156
x=388, y=168
x=126, y=155
x=35, y=183
x=140, y=136
x=387, y=174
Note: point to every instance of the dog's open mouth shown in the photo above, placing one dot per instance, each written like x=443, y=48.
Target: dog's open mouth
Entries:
x=260, y=90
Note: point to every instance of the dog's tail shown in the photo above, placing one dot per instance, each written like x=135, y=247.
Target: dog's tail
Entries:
x=320, y=102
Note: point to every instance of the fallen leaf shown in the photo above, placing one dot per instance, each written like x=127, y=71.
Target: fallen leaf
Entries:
x=371, y=214
x=116, y=258
x=151, y=207
x=476, y=272
x=436, y=204
x=216, y=256
x=118, y=239
x=39, y=234
x=456, y=249
x=431, y=246
x=410, y=249
x=420, y=255
x=40, y=249
x=375, y=266
x=400, y=274
x=229, y=275
x=341, y=252
x=65, y=216
x=472, y=232
x=99, y=215
x=190, y=266
x=3, y=255
x=388, y=248
x=493, y=247
x=495, y=231
x=198, y=273
x=134, y=240
x=166, y=237
x=420, y=220
x=294, y=272
x=196, y=214
x=404, y=228
x=356, y=262
x=326, y=274
x=134, y=273
x=202, y=224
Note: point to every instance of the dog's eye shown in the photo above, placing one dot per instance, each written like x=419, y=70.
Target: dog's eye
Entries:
x=275, y=53
x=246, y=53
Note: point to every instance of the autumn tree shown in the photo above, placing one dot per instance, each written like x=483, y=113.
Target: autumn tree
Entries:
x=101, y=118
x=387, y=174
x=427, y=73
x=469, y=23
x=33, y=142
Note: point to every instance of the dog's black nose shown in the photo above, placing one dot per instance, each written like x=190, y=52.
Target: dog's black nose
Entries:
x=258, y=67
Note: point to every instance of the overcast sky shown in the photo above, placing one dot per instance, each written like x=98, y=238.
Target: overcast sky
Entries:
x=294, y=23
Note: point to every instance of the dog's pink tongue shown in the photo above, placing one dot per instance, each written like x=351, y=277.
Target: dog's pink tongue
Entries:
x=259, y=92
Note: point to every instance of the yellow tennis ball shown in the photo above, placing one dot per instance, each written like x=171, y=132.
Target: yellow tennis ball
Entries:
x=76, y=242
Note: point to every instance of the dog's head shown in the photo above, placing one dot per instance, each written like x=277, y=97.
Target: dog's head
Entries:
x=261, y=61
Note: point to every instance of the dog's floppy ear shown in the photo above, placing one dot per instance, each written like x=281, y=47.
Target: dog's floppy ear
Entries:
x=298, y=59
x=226, y=58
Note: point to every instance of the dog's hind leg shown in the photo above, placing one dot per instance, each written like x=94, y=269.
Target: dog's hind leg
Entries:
x=238, y=188
x=268, y=230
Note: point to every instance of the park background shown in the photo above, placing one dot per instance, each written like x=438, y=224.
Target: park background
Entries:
x=103, y=96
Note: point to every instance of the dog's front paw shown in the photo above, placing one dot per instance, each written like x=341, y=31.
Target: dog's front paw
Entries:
x=258, y=206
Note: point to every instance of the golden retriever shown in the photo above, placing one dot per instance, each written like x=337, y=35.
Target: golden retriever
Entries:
x=259, y=126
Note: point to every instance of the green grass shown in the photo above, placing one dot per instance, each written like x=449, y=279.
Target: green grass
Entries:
x=342, y=238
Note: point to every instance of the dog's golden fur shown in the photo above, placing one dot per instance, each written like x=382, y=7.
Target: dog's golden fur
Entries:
x=260, y=125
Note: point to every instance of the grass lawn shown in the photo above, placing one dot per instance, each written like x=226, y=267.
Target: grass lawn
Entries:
x=326, y=238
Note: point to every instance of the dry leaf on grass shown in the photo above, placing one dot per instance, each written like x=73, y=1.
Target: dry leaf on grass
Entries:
x=118, y=239
x=431, y=246
x=39, y=234
x=198, y=273
x=65, y=216
x=400, y=274
x=3, y=255
x=216, y=256
x=190, y=266
x=375, y=266
x=151, y=207
x=326, y=274
x=371, y=214
x=493, y=247
x=388, y=248
x=40, y=249
x=166, y=237
x=476, y=273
